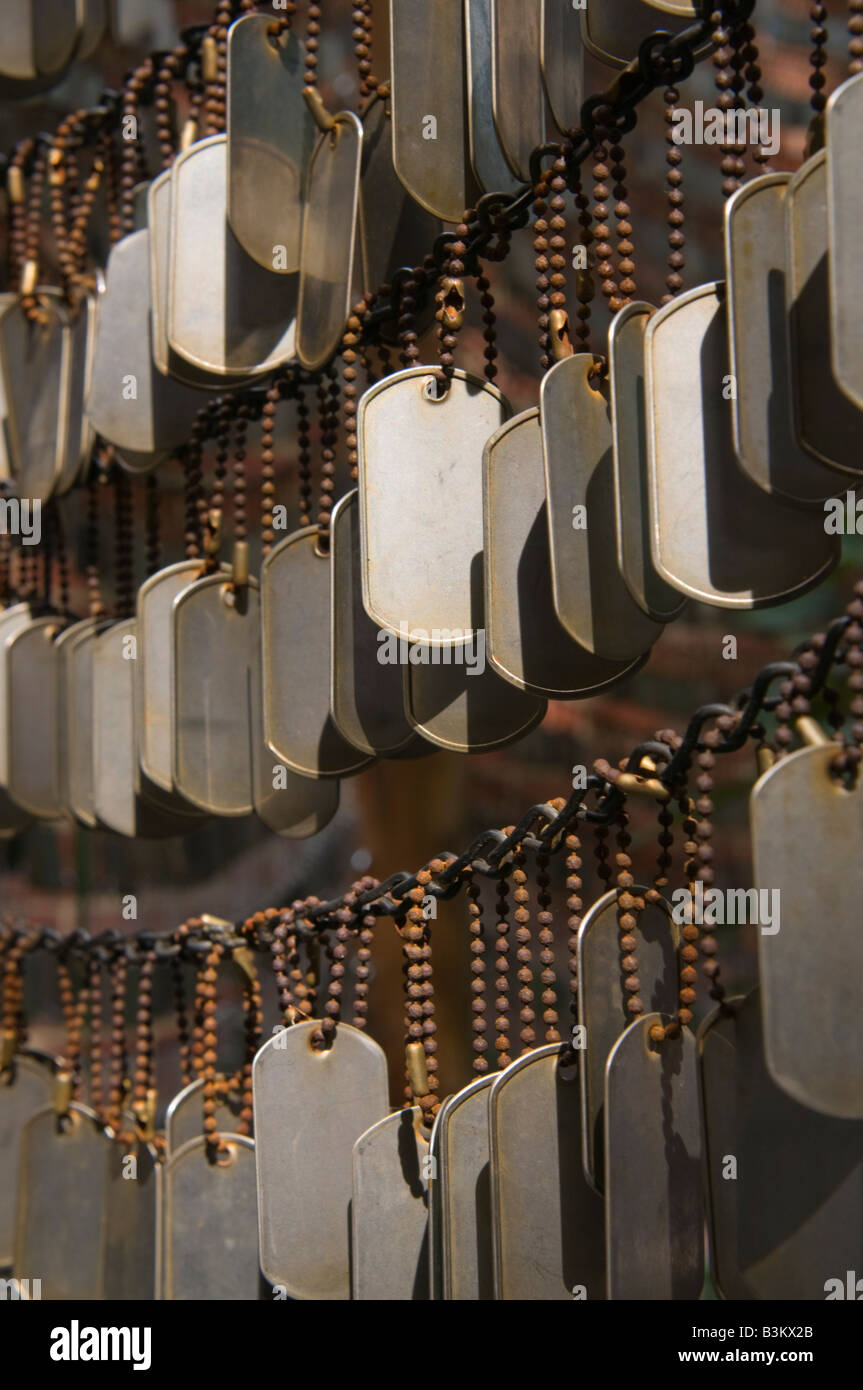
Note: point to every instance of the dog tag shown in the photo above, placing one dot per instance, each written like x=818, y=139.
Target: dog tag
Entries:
x=13, y=818
x=548, y=1224
x=311, y=1107
x=38, y=39
x=844, y=212
x=517, y=95
x=389, y=1210
x=216, y=635
x=823, y=1068
x=629, y=442
x=92, y=23
x=465, y=709
x=761, y=407
x=562, y=62
x=715, y=535
x=79, y=342
x=28, y=1086
x=601, y=1009
x=653, y=1194
x=130, y=1221
x=62, y=1204
x=394, y=230
x=614, y=30
x=460, y=1195
x=784, y=1182
x=486, y=156
x=271, y=133
x=33, y=688
x=413, y=444
x=208, y=1223
x=75, y=648
x=226, y=314
x=590, y=596
x=525, y=641
x=427, y=65
x=286, y=802
x=184, y=1117
x=329, y=226
x=35, y=390
x=295, y=653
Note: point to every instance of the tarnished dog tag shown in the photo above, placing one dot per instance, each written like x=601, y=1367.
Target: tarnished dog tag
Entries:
x=590, y=596
x=827, y=422
x=154, y=668
x=208, y=1223
x=526, y=643
x=130, y=1221
x=427, y=66
x=844, y=214
x=184, y=1117
x=413, y=444
x=24, y=1089
x=271, y=132
x=548, y=1225
x=614, y=30
x=366, y=697
x=329, y=227
x=653, y=1178
x=716, y=536
x=762, y=411
x=601, y=1008
x=75, y=648
x=805, y=982
x=216, y=635
x=32, y=357
x=311, y=1108
x=295, y=654
x=138, y=409
x=517, y=94
x=62, y=1204
x=784, y=1182
x=460, y=1194
x=389, y=1210
x=33, y=702
x=467, y=710
x=488, y=161
x=562, y=62
x=226, y=314
x=629, y=442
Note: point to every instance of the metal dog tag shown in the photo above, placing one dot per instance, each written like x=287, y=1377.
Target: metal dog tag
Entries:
x=184, y=1117
x=486, y=156
x=525, y=641
x=394, y=230
x=562, y=62
x=75, y=648
x=413, y=444
x=629, y=440
x=226, y=314
x=295, y=655
x=208, y=1223
x=844, y=212
x=154, y=669
x=614, y=30
x=715, y=535
x=78, y=353
x=271, y=132
x=590, y=596
x=427, y=65
x=311, y=1107
x=130, y=1221
x=601, y=1008
x=517, y=94
x=389, y=1210
x=653, y=1179
x=38, y=40
x=33, y=686
x=805, y=982
x=28, y=1086
x=466, y=710
x=548, y=1224
x=35, y=390
x=329, y=227
x=12, y=620
x=460, y=1196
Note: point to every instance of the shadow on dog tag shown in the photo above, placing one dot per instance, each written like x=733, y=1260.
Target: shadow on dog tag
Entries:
x=184, y=1117
x=329, y=227
x=154, y=669
x=487, y=159
x=466, y=710
x=562, y=62
x=34, y=687
x=517, y=93
x=389, y=1210
x=844, y=213
x=28, y=1086
x=130, y=1225
x=12, y=817
x=35, y=388
x=614, y=30
x=208, y=1224
x=461, y=1257
x=75, y=649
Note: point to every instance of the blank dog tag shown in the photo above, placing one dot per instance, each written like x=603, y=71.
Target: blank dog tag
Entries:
x=38, y=39
x=78, y=354
x=614, y=30
x=287, y=803
x=130, y=1221
x=518, y=98
x=460, y=1193
x=715, y=535
x=464, y=711
x=329, y=225
x=389, y=1210
x=12, y=620
x=562, y=62
x=311, y=1107
x=184, y=1117
x=27, y=1087
x=35, y=389
x=547, y=1223
x=75, y=648
x=653, y=1180
x=844, y=212
x=488, y=161
x=208, y=1221
x=33, y=704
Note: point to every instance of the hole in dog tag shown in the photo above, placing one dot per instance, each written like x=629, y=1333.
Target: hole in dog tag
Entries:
x=844, y=213
x=389, y=1210
x=601, y=1009
x=413, y=444
x=653, y=1193
x=805, y=980
x=295, y=653
x=28, y=1086
x=457, y=705
x=427, y=66
x=590, y=596
x=75, y=649
x=33, y=701
x=614, y=30
x=562, y=61
x=226, y=314
x=517, y=94
x=216, y=632
x=486, y=156
x=62, y=1204
x=629, y=441
x=311, y=1107
x=526, y=643
x=366, y=697
x=715, y=535
x=762, y=410
x=827, y=422
x=270, y=134
x=208, y=1220
x=462, y=1265
x=329, y=226
x=184, y=1117
x=32, y=359
x=783, y=1181
x=548, y=1224
x=130, y=1221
